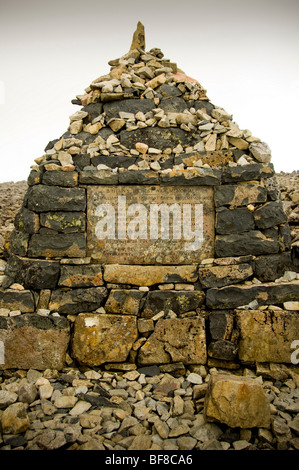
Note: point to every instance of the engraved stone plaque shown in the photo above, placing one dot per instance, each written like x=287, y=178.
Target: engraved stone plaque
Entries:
x=150, y=224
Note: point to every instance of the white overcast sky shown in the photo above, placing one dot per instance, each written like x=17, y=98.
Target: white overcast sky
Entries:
x=245, y=54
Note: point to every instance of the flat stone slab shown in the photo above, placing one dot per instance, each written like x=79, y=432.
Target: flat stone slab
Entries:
x=101, y=338
x=267, y=336
x=81, y=276
x=42, y=198
x=71, y=245
x=17, y=300
x=196, y=176
x=64, y=222
x=271, y=293
x=149, y=275
x=220, y=276
x=150, y=225
x=77, y=300
x=253, y=242
x=33, y=273
x=32, y=341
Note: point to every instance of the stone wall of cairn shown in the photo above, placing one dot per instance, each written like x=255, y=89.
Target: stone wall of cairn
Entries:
x=147, y=123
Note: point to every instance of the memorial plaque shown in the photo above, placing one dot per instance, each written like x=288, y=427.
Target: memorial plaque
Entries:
x=150, y=224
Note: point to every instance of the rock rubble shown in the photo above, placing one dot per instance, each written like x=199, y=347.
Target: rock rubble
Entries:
x=148, y=409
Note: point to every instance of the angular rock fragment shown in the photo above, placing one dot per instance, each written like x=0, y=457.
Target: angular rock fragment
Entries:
x=234, y=220
x=124, y=301
x=27, y=221
x=67, y=179
x=15, y=419
x=175, y=340
x=33, y=274
x=240, y=194
x=63, y=222
x=17, y=300
x=219, y=276
x=178, y=301
x=255, y=171
x=253, y=242
x=270, y=214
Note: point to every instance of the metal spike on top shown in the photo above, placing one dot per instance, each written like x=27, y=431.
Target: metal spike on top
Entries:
x=138, y=41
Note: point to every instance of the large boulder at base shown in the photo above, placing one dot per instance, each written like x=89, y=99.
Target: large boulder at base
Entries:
x=237, y=402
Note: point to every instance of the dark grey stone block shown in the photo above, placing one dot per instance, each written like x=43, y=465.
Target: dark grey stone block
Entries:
x=270, y=214
x=72, y=301
x=177, y=301
x=33, y=274
x=255, y=171
x=42, y=198
x=264, y=294
x=247, y=243
x=71, y=245
x=133, y=106
x=60, y=178
x=64, y=222
x=234, y=220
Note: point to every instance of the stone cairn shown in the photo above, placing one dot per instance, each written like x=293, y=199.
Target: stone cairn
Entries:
x=69, y=300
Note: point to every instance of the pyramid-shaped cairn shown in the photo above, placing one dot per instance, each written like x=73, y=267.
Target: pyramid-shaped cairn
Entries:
x=152, y=232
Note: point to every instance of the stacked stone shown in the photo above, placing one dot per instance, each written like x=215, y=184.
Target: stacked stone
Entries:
x=147, y=123
x=288, y=184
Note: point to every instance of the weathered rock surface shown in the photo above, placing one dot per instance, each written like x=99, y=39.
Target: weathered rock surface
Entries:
x=17, y=300
x=32, y=340
x=177, y=301
x=267, y=336
x=219, y=276
x=33, y=274
x=265, y=294
x=175, y=340
x=99, y=338
x=237, y=401
x=81, y=276
x=42, y=198
x=148, y=275
x=124, y=301
x=66, y=300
